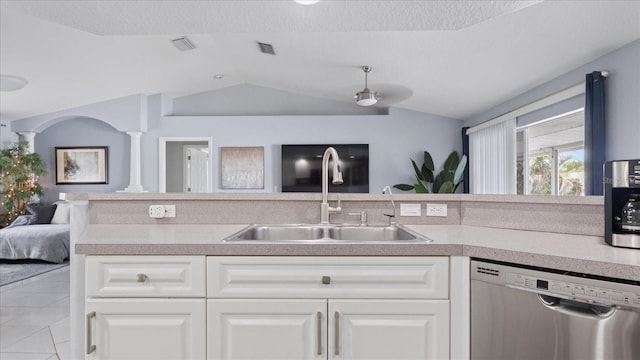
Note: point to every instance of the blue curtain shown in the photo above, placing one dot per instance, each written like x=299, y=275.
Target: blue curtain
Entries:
x=465, y=151
x=594, y=133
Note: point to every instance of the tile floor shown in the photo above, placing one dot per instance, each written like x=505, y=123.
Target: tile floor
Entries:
x=34, y=318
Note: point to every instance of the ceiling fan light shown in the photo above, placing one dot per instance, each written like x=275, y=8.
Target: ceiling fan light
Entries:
x=367, y=97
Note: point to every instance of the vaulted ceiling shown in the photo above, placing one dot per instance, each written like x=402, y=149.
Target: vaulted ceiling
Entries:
x=451, y=58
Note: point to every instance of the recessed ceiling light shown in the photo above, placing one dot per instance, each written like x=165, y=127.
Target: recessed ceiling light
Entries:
x=11, y=83
x=306, y=2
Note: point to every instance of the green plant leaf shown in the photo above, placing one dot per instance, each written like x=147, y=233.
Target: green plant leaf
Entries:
x=417, y=170
x=452, y=161
x=457, y=177
x=420, y=189
x=437, y=182
x=446, y=188
x=427, y=174
x=403, y=187
x=428, y=161
x=445, y=175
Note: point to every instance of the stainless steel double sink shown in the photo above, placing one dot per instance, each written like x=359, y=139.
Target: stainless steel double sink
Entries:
x=326, y=234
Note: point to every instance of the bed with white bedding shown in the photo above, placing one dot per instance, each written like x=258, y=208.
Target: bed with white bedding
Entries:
x=35, y=237
x=48, y=242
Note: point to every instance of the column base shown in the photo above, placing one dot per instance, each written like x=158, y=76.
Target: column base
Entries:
x=133, y=189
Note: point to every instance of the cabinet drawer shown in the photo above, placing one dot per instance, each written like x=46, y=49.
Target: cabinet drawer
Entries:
x=328, y=277
x=145, y=276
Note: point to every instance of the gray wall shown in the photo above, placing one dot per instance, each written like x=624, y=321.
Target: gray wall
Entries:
x=623, y=99
x=83, y=132
x=392, y=139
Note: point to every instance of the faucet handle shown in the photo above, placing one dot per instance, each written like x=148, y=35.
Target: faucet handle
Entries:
x=390, y=220
x=363, y=217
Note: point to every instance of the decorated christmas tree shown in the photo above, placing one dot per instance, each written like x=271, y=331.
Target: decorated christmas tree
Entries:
x=19, y=175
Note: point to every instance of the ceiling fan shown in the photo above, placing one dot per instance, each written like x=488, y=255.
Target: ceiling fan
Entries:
x=367, y=97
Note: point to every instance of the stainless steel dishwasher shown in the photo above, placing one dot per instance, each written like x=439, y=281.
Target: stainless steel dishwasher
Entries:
x=532, y=313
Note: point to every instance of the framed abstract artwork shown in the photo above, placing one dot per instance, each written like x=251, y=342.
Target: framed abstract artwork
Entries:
x=82, y=165
x=242, y=167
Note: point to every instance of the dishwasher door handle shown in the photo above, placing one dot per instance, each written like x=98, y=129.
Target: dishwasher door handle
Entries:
x=576, y=308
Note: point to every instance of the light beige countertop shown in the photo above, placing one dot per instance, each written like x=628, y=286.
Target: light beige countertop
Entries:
x=578, y=253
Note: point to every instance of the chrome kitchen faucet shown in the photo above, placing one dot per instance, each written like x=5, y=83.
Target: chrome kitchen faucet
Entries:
x=325, y=209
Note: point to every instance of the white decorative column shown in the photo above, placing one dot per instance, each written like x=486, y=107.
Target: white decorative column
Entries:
x=30, y=137
x=134, y=166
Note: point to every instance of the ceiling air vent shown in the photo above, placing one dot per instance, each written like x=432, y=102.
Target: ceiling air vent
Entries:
x=266, y=48
x=183, y=44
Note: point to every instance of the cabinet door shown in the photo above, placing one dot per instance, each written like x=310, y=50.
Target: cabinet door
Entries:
x=388, y=329
x=266, y=329
x=146, y=329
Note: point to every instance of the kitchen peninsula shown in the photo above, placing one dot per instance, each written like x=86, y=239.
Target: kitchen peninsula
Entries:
x=114, y=234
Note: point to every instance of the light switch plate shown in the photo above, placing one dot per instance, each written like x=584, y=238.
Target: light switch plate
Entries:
x=169, y=210
x=410, y=210
x=437, y=210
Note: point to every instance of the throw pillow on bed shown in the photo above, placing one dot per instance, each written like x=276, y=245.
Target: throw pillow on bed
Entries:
x=41, y=214
x=61, y=215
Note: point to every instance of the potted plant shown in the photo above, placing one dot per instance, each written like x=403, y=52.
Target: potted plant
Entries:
x=446, y=181
x=19, y=174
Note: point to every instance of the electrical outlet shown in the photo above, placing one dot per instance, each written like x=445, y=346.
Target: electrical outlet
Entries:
x=162, y=211
x=156, y=211
x=437, y=210
x=410, y=210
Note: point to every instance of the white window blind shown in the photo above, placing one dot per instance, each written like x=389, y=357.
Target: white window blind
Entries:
x=492, y=155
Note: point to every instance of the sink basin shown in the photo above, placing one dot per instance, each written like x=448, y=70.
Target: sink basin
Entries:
x=325, y=234
x=370, y=233
x=280, y=233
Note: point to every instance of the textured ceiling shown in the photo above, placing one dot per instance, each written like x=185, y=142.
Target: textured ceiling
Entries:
x=273, y=16
x=451, y=58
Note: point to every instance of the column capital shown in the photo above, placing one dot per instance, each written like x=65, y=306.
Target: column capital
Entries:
x=29, y=136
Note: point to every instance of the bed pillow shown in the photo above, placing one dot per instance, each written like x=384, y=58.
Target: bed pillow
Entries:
x=20, y=221
x=61, y=215
x=41, y=214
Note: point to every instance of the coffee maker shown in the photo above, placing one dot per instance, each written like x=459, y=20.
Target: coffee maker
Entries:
x=622, y=203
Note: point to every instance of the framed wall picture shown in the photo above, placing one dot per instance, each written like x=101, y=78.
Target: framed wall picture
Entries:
x=242, y=167
x=82, y=165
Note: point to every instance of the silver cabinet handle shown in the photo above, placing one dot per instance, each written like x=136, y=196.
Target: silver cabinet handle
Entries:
x=142, y=278
x=337, y=334
x=326, y=280
x=90, y=347
x=319, y=318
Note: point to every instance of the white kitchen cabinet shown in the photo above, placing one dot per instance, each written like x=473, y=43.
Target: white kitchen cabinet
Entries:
x=145, y=276
x=145, y=307
x=121, y=329
x=240, y=307
x=371, y=307
x=388, y=329
x=293, y=329
x=267, y=329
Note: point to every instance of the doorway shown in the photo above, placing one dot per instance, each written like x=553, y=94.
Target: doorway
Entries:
x=185, y=164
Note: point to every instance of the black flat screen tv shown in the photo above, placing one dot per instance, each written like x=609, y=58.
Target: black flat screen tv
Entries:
x=302, y=168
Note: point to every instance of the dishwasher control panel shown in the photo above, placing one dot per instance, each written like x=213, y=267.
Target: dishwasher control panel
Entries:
x=603, y=294
x=581, y=288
